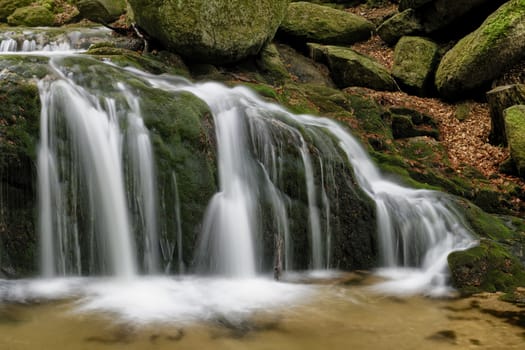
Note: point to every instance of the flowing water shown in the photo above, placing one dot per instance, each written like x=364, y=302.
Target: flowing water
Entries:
x=99, y=203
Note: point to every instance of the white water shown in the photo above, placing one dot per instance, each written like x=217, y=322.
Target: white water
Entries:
x=417, y=229
x=50, y=41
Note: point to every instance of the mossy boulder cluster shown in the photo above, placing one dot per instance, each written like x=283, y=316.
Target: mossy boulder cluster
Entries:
x=211, y=31
x=480, y=57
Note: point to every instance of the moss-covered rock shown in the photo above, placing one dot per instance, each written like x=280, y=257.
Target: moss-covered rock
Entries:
x=515, y=129
x=19, y=129
x=489, y=267
x=484, y=54
x=101, y=11
x=7, y=7
x=32, y=16
x=350, y=68
x=401, y=24
x=415, y=60
x=272, y=65
x=307, y=22
x=211, y=31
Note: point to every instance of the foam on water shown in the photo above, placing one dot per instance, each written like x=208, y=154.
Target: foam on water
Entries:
x=161, y=299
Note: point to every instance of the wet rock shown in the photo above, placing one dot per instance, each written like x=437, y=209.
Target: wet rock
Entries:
x=487, y=267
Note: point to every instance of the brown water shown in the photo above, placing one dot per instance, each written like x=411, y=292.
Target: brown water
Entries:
x=336, y=317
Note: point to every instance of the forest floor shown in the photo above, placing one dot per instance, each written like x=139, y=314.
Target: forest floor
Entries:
x=464, y=127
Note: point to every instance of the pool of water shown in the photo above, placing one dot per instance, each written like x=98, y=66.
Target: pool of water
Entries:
x=327, y=312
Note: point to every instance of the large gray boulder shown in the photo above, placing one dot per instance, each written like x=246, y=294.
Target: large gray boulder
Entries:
x=484, y=54
x=211, y=31
x=307, y=22
x=350, y=68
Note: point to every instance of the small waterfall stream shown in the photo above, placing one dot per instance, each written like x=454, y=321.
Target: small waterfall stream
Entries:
x=100, y=196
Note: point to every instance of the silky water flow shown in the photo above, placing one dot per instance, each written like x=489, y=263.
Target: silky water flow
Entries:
x=99, y=202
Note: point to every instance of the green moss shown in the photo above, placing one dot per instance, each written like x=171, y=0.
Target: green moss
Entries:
x=350, y=68
x=484, y=54
x=7, y=7
x=370, y=115
x=32, y=16
x=211, y=32
x=307, y=22
x=515, y=129
x=415, y=60
x=128, y=58
x=488, y=267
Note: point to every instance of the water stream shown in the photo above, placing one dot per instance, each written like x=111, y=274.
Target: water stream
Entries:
x=99, y=202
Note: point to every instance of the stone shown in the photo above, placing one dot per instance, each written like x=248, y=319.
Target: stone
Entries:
x=7, y=7
x=484, y=54
x=101, y=11
x=210, y=31
x=415, y=61
x=499, y=99
x=350, y=68
x=401, y=24
x=31, y=16
x=489, y=267
x=515, y=129
x=307, y=22
x=272, y=65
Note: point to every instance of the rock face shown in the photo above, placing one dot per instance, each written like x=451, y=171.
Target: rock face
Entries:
x=211, y=31
x=307, y=22
x=415, y=60
x=101, y=11
x=485, y=53
x=515, y=129
x=19, y=127
x=350, y=68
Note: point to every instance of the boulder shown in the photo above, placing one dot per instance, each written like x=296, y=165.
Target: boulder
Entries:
x=401, y=24
x=489, y=267
x=211, y=31
x=307, y=22
x=7, y=7
x=484, y=54
x=515, y=129
x=415, y=60
x=101, y=11
x=350, y=68
x=31, y=16
x=499, y=99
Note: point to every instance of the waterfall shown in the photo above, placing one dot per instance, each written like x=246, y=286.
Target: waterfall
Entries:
x=107, y=221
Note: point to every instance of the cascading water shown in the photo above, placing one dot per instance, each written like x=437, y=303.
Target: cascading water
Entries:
x=100, y=197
